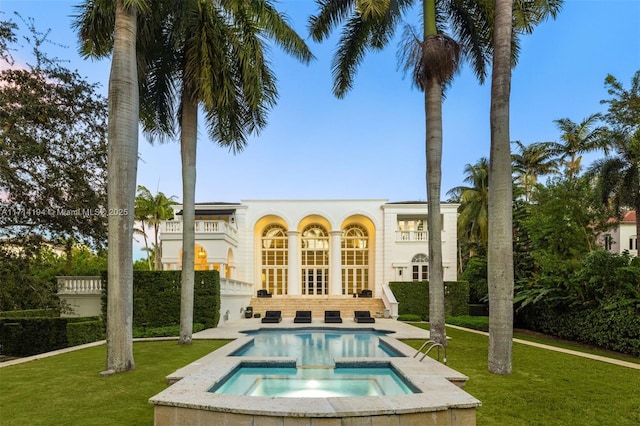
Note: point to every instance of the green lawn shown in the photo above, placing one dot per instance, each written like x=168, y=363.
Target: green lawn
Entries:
x=67, y=390
x=546, y=388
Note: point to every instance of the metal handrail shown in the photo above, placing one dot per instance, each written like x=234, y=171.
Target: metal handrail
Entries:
x=433, y=345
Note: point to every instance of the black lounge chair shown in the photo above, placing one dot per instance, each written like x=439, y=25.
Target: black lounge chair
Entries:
x=363, y=316
x=263, y=293
x=272, y=316
x=366, y=293
x=302, y=316
x=332, y=317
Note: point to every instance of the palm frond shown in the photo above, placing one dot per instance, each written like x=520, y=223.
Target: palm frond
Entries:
x=331, y=14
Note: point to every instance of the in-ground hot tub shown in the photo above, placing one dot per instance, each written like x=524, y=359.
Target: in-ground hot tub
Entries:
x=287, y=381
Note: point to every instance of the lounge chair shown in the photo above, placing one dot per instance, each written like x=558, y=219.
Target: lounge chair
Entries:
x=272, y=316
x=302, y=316
x=363, y=316
x=263, y=293
x=366, y=293
x=332, y=317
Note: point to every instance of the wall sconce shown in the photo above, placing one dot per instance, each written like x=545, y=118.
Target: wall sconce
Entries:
x=201, y=253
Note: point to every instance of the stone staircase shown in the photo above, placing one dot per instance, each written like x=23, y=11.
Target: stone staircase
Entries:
x=317, y=305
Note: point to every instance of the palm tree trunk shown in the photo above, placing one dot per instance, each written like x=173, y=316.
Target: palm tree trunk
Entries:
x=157, y=265
x=121, y=190
x=188, y=141
x=433, y=148
x=433, y=112
x=500, y=250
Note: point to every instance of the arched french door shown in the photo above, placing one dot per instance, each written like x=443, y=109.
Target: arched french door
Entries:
x=315, y=260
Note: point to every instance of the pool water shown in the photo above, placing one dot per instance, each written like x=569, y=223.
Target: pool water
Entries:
x=294, y=382
x=316, y=347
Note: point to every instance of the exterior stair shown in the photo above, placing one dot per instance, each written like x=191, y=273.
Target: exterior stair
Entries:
x=317, y=305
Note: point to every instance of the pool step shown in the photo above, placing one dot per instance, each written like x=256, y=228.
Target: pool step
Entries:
x=317, y=305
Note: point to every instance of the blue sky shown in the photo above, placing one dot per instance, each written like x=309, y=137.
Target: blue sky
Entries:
x=371, y=144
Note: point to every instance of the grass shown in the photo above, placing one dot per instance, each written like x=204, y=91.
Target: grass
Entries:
x=545, y=388
x=67, y=390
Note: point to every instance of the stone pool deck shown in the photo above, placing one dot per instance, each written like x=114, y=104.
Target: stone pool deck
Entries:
x=439, y=402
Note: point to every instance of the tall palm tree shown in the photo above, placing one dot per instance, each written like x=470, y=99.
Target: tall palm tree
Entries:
x=531, y=161
x=500, y=249
x=218, y=64
x=151, y=210
x=577, y=139
x=473, y=199
x=433, y=58
x=208, y=55
x=121, y=182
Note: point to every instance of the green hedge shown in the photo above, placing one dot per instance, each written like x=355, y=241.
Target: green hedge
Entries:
x=79, y=333
x=615, y=329
x=413, y=297
x=31, y=313
x=156, y=298
x=32, y=336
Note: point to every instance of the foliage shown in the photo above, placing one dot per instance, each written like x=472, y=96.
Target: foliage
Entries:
x=151, y=210
x=53, y=139
x=79, y=333
x=156, y=298
x=413, y=297
x=30, y=336
x=168, y=331
x=30, y=313
x=409, y=318
x=474, y=323
x=475, y=273
x=28, y=278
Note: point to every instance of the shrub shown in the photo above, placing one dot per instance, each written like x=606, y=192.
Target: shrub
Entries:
x=79, y=333
x=31, y=313
x=474, y=323
x=409, y=317
x=156, y=298
x=31, y=336
x=413, y=297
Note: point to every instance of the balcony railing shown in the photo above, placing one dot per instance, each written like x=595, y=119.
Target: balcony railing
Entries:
x=79, y=285
x=411, y=236
x=201, y=226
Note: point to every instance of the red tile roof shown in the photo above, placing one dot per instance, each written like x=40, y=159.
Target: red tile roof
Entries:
x=629, y=217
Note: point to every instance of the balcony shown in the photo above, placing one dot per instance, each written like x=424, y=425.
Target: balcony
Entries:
x=411, y=236
x=204, y=230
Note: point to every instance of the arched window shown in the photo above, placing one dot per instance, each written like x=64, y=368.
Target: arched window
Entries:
x=315, y=260
x=355, y=259
x=275, y=259
x=420, y=267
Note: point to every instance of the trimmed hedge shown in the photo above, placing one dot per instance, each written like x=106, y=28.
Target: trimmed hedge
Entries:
x=31, y=313
x=156, y=298
x=32, y=336
x=614, y=329
x=413, y=297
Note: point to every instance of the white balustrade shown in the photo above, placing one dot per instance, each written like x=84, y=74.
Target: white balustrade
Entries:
x=79, y=285
x=411, y=236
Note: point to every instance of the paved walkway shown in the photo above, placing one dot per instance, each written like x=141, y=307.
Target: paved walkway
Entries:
x=562, y=350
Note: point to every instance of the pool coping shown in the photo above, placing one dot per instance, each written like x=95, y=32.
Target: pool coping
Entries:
x=439, y=386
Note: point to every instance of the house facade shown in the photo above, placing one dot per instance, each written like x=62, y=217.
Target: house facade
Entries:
x=623, y=237
x=313, y=248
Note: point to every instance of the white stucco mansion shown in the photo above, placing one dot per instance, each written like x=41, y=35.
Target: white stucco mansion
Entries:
x=313, y=247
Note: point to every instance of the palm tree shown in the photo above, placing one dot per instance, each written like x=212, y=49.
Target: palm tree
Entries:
x=473, y=199
x=619, y=176
x=433, y=58
x=500, y=248
x=219, y=65
x=532, y=161
x=121, y=181
x=151, y=210
x=210, y=55
x=577, y=139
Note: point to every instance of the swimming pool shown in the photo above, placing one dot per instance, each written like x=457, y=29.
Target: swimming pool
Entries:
x=291, y=382
x=317, y=347
x=434, y=398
